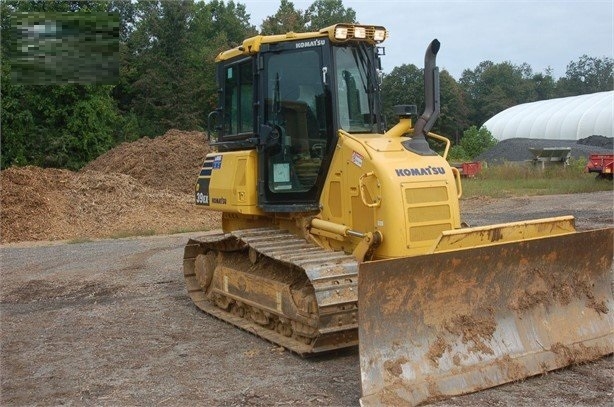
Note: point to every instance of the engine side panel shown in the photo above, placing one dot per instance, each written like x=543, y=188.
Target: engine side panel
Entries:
x=375, y=184
x=227, y=183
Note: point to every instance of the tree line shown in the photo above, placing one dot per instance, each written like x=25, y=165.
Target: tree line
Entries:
x=167, y=79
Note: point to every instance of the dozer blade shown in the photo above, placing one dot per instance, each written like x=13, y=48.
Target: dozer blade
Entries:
x=446, y=324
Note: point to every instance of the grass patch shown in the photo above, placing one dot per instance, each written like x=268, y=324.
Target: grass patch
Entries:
x=187, y=230
x=78, y=240
x=152, y=232
x=508, y=180
x=132, y=233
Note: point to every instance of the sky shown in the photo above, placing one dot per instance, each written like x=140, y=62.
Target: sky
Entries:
x=543, y=33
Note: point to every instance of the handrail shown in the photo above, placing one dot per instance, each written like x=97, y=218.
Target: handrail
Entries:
x=457, y=179
x=443, y=139
x=362, y=187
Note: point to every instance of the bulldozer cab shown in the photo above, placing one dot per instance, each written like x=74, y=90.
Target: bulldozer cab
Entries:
x=287, y=98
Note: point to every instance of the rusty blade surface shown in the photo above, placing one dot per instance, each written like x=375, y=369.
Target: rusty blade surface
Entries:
x=446, y=324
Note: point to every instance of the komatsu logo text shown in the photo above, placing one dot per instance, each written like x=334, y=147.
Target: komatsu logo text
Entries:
x=313, y=43
x=408, y=172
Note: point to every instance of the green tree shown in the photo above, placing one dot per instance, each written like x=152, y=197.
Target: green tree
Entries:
x=56, y=125
x=324, y=13
x=170, y=81
x=286, y=19
x=587, y=75
x=544, y=85
x=404, y=85
x=475, y=141
x=58, y=6
x=87, y=126
x=492, y=88
x=231, y=19
x=454, y=114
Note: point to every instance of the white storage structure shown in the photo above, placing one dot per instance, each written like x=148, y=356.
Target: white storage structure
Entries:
x=570, y=118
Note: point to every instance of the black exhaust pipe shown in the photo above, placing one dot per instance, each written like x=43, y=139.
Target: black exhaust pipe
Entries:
x=424, y=124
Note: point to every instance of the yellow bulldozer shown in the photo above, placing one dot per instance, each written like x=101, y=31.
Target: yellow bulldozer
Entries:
x=337, y=231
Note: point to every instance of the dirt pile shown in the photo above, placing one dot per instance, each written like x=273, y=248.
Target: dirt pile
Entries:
x=143, y=187
x=598, y=141
x=518, y=149
x=168, y=162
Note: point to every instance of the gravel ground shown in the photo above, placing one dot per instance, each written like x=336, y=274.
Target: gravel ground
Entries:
x=108, y=323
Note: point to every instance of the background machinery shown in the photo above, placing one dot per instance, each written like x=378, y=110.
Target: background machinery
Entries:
x=336, y=230
x=601, y=164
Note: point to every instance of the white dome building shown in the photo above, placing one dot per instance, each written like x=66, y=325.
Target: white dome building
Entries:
x=570, y=118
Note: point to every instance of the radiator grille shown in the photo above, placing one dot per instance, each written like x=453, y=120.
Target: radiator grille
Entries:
x=427, y=211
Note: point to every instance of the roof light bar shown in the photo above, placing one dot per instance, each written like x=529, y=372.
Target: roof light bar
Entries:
x=346, y=32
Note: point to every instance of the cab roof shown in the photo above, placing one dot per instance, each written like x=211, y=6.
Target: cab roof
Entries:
x=338, y=33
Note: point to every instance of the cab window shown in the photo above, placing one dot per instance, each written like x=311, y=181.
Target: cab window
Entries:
x=238, y=101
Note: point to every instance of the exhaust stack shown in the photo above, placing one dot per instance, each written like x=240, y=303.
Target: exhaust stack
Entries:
x=418, y=143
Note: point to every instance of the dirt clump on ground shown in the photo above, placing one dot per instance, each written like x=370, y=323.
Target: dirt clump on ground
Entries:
x=138, y=188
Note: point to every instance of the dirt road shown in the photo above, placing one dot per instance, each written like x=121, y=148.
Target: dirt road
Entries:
x=109, y=323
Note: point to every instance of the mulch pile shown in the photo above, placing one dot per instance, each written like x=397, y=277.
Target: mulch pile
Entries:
x=170, y=162
x=143, y=187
